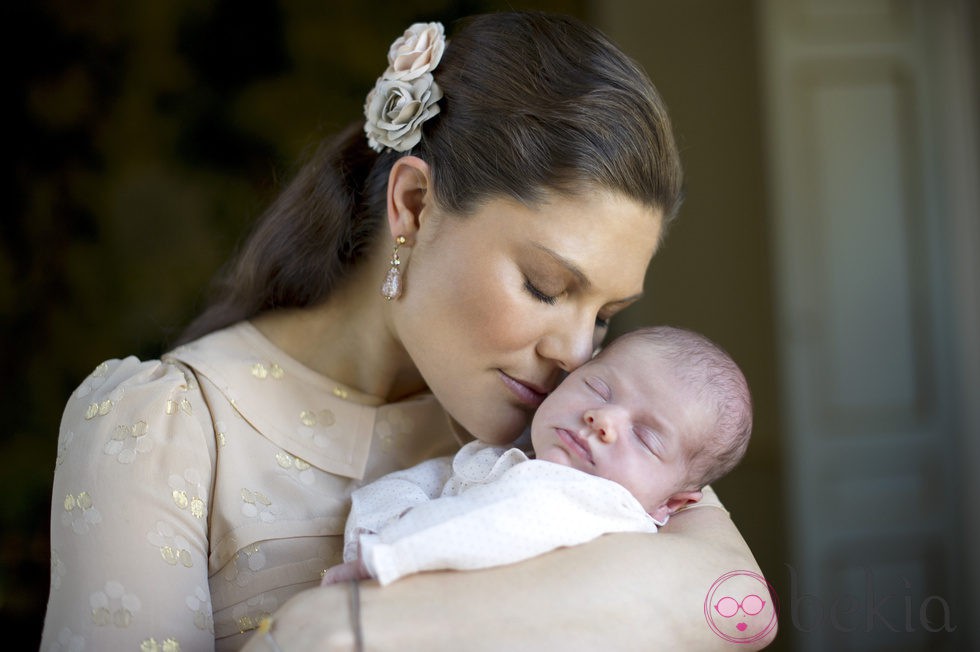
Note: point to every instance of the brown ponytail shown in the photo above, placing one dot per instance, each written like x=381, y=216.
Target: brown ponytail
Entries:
x=305, y=242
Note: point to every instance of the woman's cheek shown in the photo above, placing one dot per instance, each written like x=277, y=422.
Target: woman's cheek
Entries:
x=501, y=317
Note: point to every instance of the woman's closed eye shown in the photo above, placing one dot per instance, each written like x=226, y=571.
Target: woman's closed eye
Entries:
x=551, y=298
x=540, y=294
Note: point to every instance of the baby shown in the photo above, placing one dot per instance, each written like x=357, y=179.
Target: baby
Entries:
x=625, y=441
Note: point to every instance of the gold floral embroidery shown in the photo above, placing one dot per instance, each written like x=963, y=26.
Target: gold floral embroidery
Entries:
x=316, y=426
x=98, y=409
x=251, y=614
x=197, y=507
x=253, y=497
x=128, y=441
x=195, y=504
x=193, y=501
x=180, y=498
x=166, y=645
x=113, y=605
x=340, y=392
x=262, y=372
x=248, y=560
x=248, y=623
x=323, y=418
x=80, y=512
x=183, y=405
x=173, y=555
x=173, y=548
x=256, y=504
x=303, y=468
x=391, y=426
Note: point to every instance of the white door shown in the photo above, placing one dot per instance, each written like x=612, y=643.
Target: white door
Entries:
x=872, y=147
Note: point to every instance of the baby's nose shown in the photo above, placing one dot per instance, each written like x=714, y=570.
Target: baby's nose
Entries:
x=603, y=424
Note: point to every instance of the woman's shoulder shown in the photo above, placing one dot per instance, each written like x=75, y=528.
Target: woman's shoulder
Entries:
x=128, y=398
x=113, y=380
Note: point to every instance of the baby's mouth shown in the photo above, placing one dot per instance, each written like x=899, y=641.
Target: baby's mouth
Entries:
x=576, y=445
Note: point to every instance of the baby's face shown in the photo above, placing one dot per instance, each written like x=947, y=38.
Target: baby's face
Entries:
x=622, y=417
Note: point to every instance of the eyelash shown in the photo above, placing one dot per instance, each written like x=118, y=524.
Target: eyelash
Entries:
x=552, y=300
x=645, y=440
x=599, y=388
x=538, y=294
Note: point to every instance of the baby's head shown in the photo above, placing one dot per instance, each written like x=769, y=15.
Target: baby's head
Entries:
x=662, y=411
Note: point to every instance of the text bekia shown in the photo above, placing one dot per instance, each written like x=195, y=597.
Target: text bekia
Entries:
x=868, y=612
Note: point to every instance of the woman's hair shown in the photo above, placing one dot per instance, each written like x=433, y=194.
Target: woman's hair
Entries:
x=532, y=104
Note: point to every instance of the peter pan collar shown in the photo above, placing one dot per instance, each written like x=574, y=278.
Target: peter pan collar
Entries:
x=324, y=422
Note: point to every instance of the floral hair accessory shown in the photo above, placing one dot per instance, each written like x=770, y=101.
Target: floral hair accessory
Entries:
x=405, y=95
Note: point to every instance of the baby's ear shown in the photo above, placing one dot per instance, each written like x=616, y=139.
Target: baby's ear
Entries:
x=674, y=503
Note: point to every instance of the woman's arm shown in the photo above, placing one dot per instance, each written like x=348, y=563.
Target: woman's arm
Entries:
x=620, y=592
x=129, y=526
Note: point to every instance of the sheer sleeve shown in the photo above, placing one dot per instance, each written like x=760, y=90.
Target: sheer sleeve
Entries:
x=129, y=519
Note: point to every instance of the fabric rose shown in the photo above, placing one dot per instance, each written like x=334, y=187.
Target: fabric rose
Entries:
x=396, y=109
x=416, y=52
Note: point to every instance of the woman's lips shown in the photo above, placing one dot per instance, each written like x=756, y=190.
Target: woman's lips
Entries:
x=575, y=445
x=528, y=394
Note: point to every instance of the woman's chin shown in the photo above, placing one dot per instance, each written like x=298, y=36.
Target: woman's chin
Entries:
x=502, y=435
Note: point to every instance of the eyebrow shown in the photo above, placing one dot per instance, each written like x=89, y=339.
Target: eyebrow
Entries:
x=577, y=272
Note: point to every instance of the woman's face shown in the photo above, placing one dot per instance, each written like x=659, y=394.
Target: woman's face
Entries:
x=497, y=304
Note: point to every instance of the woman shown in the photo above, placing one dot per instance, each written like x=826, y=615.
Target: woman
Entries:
x=507, y=193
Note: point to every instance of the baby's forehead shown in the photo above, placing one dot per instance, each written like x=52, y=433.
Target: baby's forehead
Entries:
x=635, y=355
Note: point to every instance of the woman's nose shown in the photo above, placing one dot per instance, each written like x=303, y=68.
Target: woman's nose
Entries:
x=569, y=344
x=606, y=423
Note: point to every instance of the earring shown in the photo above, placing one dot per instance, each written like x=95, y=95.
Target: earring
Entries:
x=392, y=287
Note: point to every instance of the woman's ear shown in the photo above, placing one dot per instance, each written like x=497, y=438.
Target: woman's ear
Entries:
x=408, y=185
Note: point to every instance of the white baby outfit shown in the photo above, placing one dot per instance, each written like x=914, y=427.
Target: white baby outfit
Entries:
x=487, y=506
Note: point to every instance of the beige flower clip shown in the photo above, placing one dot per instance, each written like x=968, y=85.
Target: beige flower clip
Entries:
x=405, y=96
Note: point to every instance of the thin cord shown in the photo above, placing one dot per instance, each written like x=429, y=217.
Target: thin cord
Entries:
x=355, y=614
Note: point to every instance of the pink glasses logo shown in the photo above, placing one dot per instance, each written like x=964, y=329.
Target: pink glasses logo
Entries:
x=741, y=607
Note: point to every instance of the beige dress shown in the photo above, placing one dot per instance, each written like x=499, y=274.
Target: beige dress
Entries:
x=196, y=494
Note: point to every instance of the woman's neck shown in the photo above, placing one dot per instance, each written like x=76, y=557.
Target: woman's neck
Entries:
x=348, y=338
